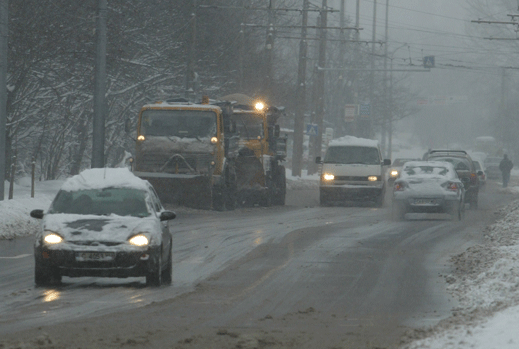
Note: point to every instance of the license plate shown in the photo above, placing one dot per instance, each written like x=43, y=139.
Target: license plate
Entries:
x=95, y=256
x=424, y=201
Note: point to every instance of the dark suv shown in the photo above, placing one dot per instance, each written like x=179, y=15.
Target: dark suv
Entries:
x=464, y=167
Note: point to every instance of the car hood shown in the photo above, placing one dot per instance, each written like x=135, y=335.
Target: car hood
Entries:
x=111, y=228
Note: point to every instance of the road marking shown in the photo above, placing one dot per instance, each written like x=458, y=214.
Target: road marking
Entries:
x=17, y=257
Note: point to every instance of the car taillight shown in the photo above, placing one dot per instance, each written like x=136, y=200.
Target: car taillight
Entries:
x=473, y=178
x=399, y=187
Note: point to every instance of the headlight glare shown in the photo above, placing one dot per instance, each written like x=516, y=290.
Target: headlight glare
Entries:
x=328, y=177
x=139, y=240
x=52, y=238
x=394, y=173
x=372, y=178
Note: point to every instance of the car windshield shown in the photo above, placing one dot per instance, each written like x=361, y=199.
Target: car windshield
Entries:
x=352, y=155
x=249, y=126
x=118, y=201
x=400, y=162
x=442, y=171
x=178, y=123
x=460, y=164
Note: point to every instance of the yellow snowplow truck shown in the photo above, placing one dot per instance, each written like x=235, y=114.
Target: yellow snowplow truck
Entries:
x=187, y=152
x=260, y=175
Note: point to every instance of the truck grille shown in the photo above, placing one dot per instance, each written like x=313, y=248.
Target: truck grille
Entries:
x=184, y=164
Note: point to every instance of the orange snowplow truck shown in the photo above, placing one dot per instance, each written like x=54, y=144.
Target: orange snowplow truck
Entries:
x=260, y=174
x=187, y=151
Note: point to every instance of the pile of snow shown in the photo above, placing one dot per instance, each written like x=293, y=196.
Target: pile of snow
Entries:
x=353, y=141
x=98, y=178
x=14, y=214
x=486, y=282
x=306, y=181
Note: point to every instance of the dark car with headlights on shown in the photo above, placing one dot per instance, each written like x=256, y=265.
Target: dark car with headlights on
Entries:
x=466, y=170
x=428, y=187
x=104, y=223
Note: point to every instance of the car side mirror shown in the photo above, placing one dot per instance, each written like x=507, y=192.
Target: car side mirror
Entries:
x=37, y=214
x=167, y=215
x=318, y=160
x=387, y=162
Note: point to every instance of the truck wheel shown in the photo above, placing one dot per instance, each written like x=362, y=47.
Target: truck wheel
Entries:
x=231, y=194
x=280, y=186
x=218, y=199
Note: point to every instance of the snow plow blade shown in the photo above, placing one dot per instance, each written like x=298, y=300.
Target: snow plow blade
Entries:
x=183, y=190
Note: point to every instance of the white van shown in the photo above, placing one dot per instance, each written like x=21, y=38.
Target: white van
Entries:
x=353, y=170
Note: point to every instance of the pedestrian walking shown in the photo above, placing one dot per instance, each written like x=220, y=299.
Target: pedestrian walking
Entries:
x=506, y=166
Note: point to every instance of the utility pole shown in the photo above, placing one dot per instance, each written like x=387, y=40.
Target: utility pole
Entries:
x=98, y=135
x=319, y=104
x=386, y=111
x=368, y=131
x=191, y=59
x=4, y=35
x=269, y=52
x=299, y=123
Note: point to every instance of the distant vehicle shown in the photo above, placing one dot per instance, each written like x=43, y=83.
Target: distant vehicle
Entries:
x=481, y=173
x=428, y=187
x=353, y=170
x=396, y=167
x=104, y=222
x=464, y=166
x=491, y=165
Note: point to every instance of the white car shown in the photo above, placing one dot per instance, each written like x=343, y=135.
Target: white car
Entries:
x=104, y=222
x=396, y=167
x=428, y=187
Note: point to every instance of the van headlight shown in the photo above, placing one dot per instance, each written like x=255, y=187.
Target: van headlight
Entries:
x=328, y=177
x=372, y=178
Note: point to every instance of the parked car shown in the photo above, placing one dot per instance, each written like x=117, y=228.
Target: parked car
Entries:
x=464, y=166
x=428, y=187
x=481, y=173
x=491, y=165
x=104, y=222
x=396, y=167
x=353, y=170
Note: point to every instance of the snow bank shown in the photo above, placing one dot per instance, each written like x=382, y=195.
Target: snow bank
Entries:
x=486, y=282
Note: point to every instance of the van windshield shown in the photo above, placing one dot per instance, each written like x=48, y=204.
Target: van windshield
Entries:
x=352, y=155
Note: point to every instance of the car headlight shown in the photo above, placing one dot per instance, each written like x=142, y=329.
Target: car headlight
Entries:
x=139, y=240
x=328, y=177
x=52, y=238
x=393, y=173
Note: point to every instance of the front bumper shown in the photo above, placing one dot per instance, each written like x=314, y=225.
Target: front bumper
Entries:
x=350, y=192
x=123, y=264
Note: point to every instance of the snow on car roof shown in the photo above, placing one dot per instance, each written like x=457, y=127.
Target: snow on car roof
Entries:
x=98, y=178
x=428, y=169
x=354, y=141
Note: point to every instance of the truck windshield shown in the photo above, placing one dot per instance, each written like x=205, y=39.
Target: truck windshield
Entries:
x=249, y=126
x=178, y=123
x=352, y=155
